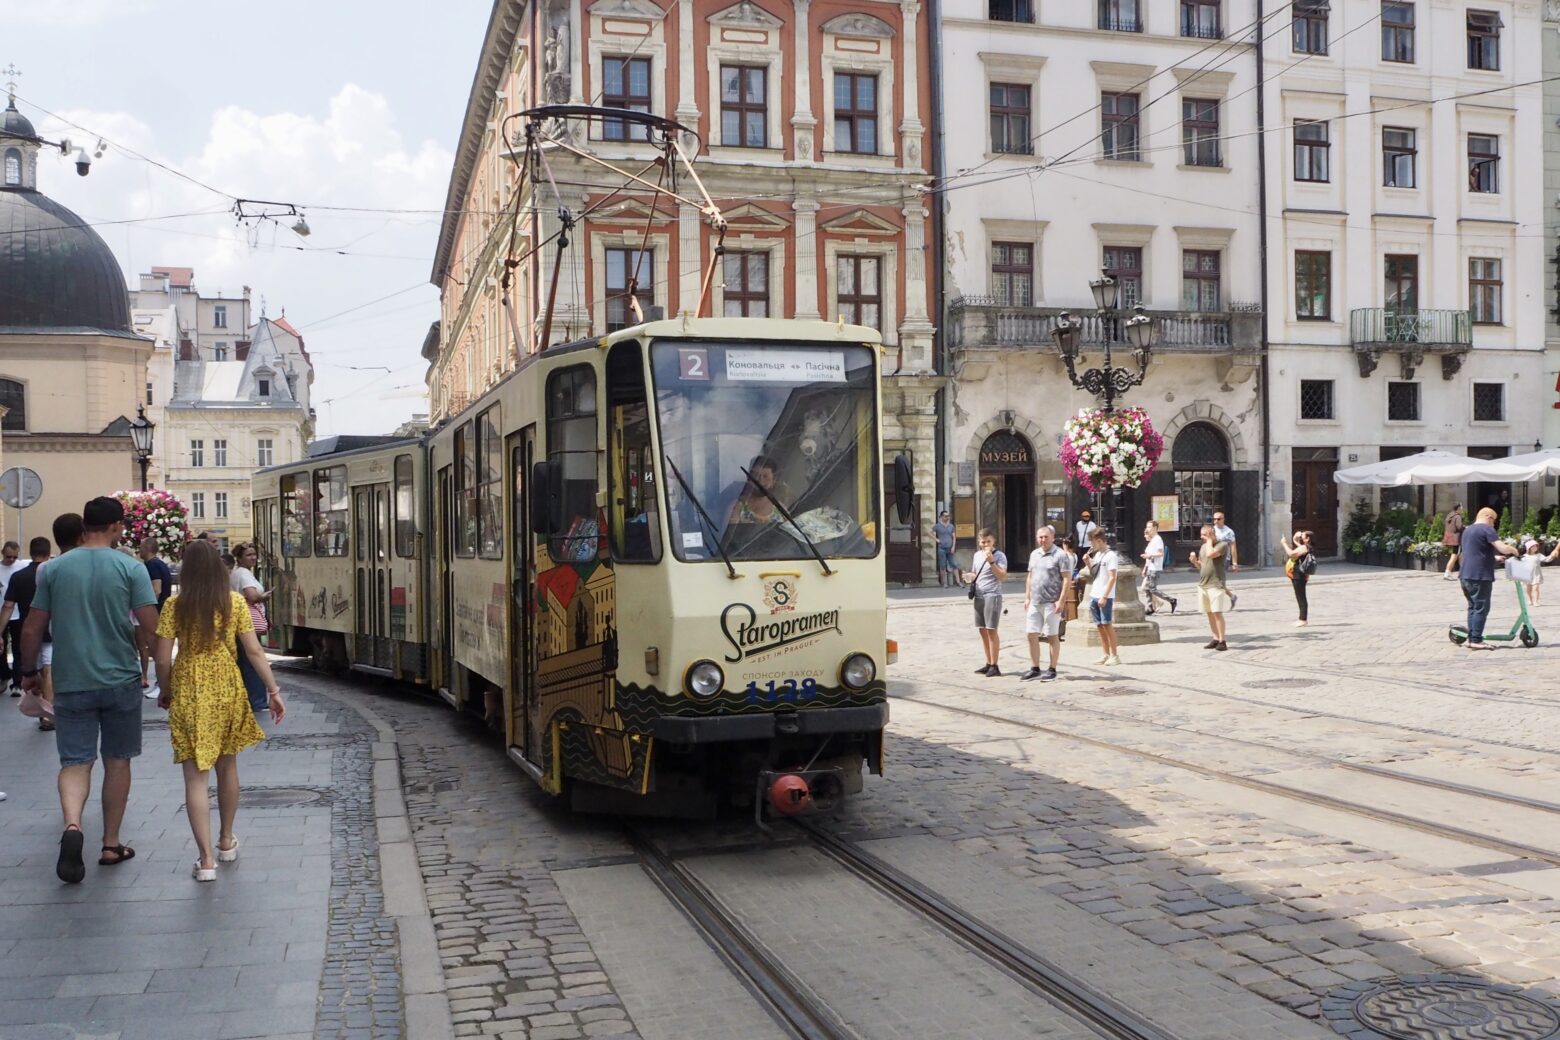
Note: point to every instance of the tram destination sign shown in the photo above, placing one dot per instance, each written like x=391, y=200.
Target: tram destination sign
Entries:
x=785, y=366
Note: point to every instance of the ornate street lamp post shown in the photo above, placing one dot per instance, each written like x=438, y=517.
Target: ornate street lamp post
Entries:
x=141, y=437
x=1107, y=382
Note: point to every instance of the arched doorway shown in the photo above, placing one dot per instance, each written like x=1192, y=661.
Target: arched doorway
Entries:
x=1007, y=494
x=1200, y=458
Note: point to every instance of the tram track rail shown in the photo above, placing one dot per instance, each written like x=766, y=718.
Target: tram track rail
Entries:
x=800, y=1012
x=1515, y=849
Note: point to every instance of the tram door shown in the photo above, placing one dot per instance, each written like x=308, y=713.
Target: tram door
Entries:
x=522, y=585
x=446, y=534
x=371, y=556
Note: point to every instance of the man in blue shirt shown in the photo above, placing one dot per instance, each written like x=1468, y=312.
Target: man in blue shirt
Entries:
x=90, y=594
x=1480, y=543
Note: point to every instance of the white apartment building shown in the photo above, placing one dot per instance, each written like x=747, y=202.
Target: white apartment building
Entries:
x=211, y=328
x=1140, y=113
x=1407, y=273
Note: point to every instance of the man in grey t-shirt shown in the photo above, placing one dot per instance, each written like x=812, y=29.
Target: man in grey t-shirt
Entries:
x=987, y=570
x=947, y=566
x=1046, y=589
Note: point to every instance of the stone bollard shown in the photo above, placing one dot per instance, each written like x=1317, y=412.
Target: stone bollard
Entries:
x=1132, y=626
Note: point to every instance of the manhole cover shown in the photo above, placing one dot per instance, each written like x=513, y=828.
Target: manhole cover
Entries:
x=280, y=797
x=1118, y=691
x=1445, y=1008
x=1283, y=684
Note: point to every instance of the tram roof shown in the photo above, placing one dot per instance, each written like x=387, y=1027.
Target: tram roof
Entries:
x=792, y=329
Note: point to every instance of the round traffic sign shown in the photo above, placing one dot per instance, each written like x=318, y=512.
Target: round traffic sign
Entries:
x=20, y=487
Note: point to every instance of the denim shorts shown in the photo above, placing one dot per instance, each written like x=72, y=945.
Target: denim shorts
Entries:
x=82, y=719
x=1101, y=615
x=945, y=560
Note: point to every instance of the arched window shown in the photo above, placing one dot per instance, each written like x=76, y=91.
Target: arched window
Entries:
x=13, y=167
x=14, y=397
x=1200, y=457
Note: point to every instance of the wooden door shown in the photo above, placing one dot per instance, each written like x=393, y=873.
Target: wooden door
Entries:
x=1314, y=503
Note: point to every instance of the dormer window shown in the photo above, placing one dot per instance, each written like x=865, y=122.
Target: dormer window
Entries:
x=264, y=386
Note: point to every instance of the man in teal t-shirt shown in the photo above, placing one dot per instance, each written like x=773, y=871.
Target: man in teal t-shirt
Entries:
x=89, y=596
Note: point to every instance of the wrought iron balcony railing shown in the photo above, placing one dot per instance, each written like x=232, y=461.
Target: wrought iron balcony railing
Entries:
x=1389, y=328
x=982, y=321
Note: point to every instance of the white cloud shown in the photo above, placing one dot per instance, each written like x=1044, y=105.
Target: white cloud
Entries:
x=353, y=156
x=73, y=14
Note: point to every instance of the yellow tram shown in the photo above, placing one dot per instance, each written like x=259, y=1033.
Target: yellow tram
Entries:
x=654, y=560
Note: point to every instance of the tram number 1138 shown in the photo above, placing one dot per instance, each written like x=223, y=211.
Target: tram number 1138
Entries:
x=782, y=691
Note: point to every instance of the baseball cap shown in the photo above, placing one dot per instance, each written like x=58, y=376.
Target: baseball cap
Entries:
x=102, y=511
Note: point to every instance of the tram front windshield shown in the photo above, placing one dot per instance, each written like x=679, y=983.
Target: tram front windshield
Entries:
x=769, y=450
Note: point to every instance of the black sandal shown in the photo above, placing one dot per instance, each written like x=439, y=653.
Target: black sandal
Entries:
x=69, y=868
x=124, y=852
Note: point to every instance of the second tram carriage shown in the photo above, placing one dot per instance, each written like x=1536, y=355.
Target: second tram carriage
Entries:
x=654, y=561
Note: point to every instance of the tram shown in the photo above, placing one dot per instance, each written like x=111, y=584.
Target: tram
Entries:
x=654, y=561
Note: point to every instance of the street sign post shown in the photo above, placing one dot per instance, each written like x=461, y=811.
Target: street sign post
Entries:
x=20, y=488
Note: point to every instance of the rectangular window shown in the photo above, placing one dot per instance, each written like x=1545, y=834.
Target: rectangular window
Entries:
x=1310, y=26
x=860, y=292
x=1120, y=16
x=490, y=487
x=1313, y=151
x=571, y=450
x=219, y=499
x=219, y=316
x=405, y=509
x=747, y=284
x=1402, y=402
x=1010, y=119
x=625, y=83
x=1200, y=19
x=630, y=275
x=1200, y=132
x=219, y=452
x=1401, y=290
x=1489, y=402
x=1125, y=265
x=1483, y=163
x=148, y=393
x=297, y=515
x=1010, y=11
x=1199, y=279
x=1484, y=290
x=197, y=453
x=263, y=387
x=1316, y=398
x=264, y=452
x=219, y=352
x=1119, y=118
x=1013, y=273
x=465, y=491
x=1397, y=31
x=744, y=106
x=1313, y=285
x=330, y=511
x=1484, y=40
x=1399, y=152
x=855, y=113
x=197, y=505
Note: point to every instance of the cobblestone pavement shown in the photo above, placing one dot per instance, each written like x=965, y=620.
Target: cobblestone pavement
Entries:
x=289, y=942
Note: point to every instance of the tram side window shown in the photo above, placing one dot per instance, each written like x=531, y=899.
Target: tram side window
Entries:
x=297, y=515
x=490, y=487
x=330, y=511
x=571, y=448
x=635, y=515
x=465, y=491
x=405, y=508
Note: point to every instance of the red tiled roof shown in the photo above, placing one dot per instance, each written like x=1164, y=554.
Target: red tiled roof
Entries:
x=181, y=277
x=286, y=326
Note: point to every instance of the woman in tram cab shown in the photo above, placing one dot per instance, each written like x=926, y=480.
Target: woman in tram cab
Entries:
x=753, y=506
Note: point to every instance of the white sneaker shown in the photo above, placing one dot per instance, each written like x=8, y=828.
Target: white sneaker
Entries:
x=1103, y=660
x=2, y=796
x=1112, y=659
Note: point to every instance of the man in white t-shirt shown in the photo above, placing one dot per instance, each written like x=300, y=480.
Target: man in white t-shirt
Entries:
x=1224, y=535
x=10, y=633
x=1102, y=595
x=1153, y=564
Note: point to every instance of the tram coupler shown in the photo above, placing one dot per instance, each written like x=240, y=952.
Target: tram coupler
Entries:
x=797, y=792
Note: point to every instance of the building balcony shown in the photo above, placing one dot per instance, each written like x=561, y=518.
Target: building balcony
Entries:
x=980, y=322
x=1411, y=335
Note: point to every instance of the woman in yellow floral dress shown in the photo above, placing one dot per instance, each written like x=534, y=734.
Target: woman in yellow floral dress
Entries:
x=208, y=711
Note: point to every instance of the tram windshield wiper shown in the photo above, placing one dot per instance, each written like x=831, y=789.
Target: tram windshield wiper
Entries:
x=714, y=531
x=786, y=513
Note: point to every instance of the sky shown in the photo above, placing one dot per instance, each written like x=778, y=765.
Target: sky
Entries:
x=325, y=104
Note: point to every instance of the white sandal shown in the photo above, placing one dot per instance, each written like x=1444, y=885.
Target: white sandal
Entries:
x=228, y=855
x=204, y=873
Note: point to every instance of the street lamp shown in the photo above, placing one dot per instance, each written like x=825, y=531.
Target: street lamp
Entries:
x=141, y=437
x=1107, y=382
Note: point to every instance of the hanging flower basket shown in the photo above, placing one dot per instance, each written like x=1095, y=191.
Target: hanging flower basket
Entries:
x=1110, y=449
x=156, y=514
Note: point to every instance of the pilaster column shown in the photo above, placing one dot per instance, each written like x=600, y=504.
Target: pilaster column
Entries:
x=687, y=102
x=802, y=121
x=690, y=261
x=808, y=251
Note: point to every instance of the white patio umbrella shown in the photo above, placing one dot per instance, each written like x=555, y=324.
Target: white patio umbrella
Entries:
x=1547, y=462
x=1434, y=467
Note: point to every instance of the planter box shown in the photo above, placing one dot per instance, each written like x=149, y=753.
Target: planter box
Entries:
x=1373, y=557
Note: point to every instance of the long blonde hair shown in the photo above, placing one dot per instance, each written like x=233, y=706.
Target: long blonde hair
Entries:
x=205, y=603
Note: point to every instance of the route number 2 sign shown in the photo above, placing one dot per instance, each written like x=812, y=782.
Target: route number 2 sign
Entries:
x=694, y=362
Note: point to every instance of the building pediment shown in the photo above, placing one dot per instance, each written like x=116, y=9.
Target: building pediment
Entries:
x=857, y=24
x=643, y=10
x=745, y=15
x=631, y=211
x=861, y=222
x=756, y=217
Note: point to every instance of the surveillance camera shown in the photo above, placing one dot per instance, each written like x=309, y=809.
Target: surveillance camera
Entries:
x=83, y=163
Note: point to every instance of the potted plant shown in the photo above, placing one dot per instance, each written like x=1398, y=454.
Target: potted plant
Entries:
x=156, y=514
x=1372, y=550
x=1103, y=449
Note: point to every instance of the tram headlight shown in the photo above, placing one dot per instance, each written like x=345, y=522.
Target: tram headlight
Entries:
x=704, y=679
x=857, y=671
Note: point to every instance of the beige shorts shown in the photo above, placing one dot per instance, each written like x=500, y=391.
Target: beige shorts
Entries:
x=1213, y=601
